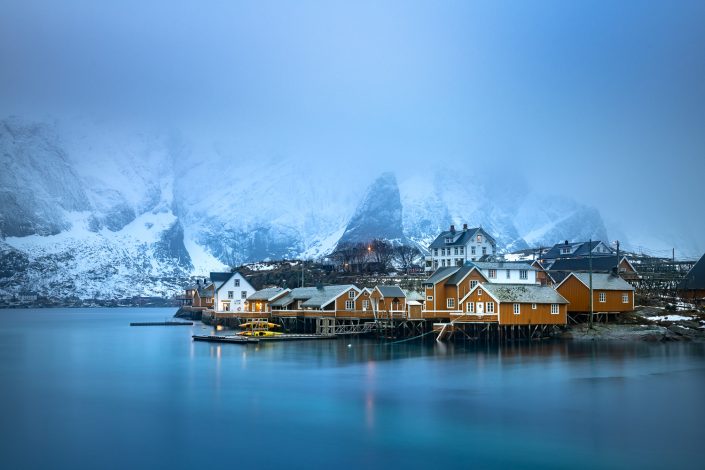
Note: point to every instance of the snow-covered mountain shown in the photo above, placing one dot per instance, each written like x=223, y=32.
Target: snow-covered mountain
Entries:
x=99, y=210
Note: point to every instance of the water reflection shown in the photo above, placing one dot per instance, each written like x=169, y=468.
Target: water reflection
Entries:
x=74, y=380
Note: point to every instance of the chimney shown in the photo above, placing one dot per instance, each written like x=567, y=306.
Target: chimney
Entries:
x=566, y=242
x=465, y=226
x=452, y=228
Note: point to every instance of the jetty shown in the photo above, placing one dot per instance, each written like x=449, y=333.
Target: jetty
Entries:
x=239, y=339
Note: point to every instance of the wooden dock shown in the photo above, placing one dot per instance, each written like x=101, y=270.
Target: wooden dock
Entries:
x=162, y=323
x=236, y=339
x=239, y=339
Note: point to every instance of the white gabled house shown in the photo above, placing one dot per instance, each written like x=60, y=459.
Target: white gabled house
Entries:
x=231, y=291
x=507, y=272
x=456, y=247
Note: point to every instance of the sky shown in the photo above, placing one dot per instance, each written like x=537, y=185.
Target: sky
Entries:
x=603, y=101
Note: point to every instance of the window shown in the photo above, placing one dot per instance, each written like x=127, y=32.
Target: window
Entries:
x=450, y=303
x=462, y=250
x=565, y=251
x=237, y=282
x=231, y=294
x=449, y=240
x=473, y=284
x=365, y=304
x=625, y=298
x=554, y=309
x=472, y=250
x=443, y=263
x=490, y=307
x=351, y=294
x=471, y=307
x=523, y=274
x=484, y=250
x=509, y=273
x=479, y=239
x=226, y=306
x=349, y=304
x=243, y=294
x=479, y=291
x=459, y=262
x=517, y=309
x=435, y=252
x=493, y=273
x=603, y=297
x=455, y=250
x=429, y=298
x=533, y=306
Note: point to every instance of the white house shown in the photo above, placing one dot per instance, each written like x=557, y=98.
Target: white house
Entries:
x=231, y=291
x=506, y=272
x=456, y=247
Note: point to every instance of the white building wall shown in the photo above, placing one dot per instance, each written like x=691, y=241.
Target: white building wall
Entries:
x=232, y=295
x=514, y=276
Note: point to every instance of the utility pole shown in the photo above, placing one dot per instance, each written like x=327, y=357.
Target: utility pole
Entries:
x=590, y=263
x=617, y=257
x=673, y=255
x=302, y=272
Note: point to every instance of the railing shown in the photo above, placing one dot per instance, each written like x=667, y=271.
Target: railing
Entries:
x=460, y=317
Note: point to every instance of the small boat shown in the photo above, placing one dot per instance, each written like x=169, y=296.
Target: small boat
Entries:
x=260, y=333
x=259, y=324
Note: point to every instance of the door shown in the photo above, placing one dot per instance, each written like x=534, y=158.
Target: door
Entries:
x=480, y=308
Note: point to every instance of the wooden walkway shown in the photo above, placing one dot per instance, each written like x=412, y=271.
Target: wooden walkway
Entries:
x=240, y=339
x=162, y=323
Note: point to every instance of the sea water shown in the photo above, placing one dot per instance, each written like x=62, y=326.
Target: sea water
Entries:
x=81, y=388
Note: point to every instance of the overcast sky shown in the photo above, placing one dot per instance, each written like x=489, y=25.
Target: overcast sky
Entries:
x=601, y=100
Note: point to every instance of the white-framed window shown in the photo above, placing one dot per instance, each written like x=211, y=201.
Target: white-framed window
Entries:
x=472, y=250
x=517, y=309
x=450, y=302
x=625, y=298
x=554, y=309
x=351, y=294
x=484, y=250
x=455, y=251
x=523, y=274
x=349, y=304
x=443, y=263
x=479, y=239
x=479, y=291
x=237, y=282
x=231, y=294
x=429, y=298
x=435, y=252
x=365, y=304
x=565, y=250
x=533, y=306
x=470, y=306
x=603, y=297
x=449, y=240
x=243, y=294
x=462, y=250
x=473, y=284
x=492, y=274
x=509, y=273
x=489, y=307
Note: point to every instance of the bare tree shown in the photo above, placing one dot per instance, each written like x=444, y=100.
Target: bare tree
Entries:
x=405, y=255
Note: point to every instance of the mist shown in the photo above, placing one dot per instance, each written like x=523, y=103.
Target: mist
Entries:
x=601, y=102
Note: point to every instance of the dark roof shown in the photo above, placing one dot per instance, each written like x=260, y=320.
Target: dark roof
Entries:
x=521, y=265
x=441, y=273
x=603, y=264
x=695, y=279
x=312, y=296
x=463, y=237
x=220, y=277
x=391, y=292
x=459, y=275
x=580, y=249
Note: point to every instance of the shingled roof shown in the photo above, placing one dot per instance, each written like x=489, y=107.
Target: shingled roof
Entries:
x=578, y=249
x=601, y=281
x=524, y=293
x=441, y=273
x=267, y=294
x=325, y=295
x=603, y=264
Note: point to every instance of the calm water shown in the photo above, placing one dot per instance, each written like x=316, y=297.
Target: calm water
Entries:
x=82, y=389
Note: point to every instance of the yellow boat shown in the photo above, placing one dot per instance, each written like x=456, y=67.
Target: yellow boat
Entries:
x=259, y=324
x=260, y=333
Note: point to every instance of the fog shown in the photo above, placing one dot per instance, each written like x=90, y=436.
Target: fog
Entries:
x=602, y=101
